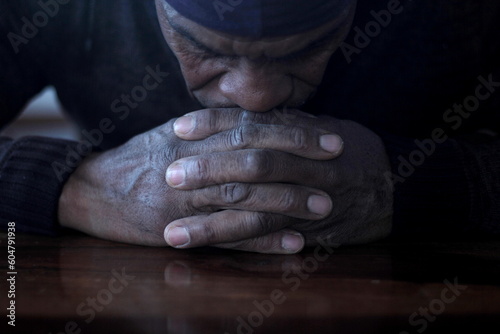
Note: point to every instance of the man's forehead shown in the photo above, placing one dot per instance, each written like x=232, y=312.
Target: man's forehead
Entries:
x=273, y=47
x=261, y=18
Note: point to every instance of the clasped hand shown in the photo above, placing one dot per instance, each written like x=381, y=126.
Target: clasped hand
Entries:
x=264, y=182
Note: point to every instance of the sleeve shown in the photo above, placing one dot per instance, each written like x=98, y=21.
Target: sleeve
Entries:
x=448, y=184
x=483, y=169
x=33, y=170
x=445, y=189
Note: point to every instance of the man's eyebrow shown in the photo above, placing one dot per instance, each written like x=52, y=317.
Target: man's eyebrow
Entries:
x=308, y=48
x=319, y=42
x=187, y=35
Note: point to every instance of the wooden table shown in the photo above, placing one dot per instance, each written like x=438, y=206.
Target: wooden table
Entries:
x=78, y=284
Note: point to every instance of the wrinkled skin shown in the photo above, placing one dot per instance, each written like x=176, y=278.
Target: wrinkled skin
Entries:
x=247, y=185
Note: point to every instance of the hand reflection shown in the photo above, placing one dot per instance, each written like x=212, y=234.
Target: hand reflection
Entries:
x=185, y=272
x=210, y=290
x=178, y=274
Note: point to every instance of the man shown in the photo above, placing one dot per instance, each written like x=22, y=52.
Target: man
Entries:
x=304, y=130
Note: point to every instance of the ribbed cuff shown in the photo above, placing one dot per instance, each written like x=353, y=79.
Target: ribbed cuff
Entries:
x=33, y=171
x=482, y=162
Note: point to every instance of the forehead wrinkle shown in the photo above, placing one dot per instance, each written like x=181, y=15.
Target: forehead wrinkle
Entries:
x=284, y=46
x=271, y=47
x=260, y=48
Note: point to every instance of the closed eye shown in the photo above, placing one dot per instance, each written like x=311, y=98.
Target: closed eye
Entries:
x=204, y=52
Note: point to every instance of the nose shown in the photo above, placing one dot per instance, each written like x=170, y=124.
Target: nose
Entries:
x=256, y=87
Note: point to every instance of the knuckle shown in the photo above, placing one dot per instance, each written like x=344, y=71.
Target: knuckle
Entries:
x=212, y=120
x=202, y=167
x=299, y=138
x=288, y=201
x=207, y=120
x=242, y=136
x=166, y=157
x=258, y=164
x=234, y=193
x=158, y=154
x=236, y=138
x=248, y=117
x=180, y=150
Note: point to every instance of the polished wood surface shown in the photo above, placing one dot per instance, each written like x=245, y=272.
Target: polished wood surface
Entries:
x=79, y=284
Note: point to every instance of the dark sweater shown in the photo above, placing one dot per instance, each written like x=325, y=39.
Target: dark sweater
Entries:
x=401, y=84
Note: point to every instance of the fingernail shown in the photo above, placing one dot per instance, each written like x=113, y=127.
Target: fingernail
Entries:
x=319, y=205
x=184, y=124
x=175, y=175
x=293, y=243
x=331, y=143
x=177, y=237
